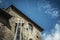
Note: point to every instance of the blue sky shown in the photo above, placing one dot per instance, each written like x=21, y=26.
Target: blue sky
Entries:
x=46, y=13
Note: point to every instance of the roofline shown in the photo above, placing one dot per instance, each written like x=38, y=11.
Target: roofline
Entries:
x=19, y=12
x=5, y=20
x=2, y=11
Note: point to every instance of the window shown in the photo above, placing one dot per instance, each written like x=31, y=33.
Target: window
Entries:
x=30, y=27
x=0, y=29
x=30, y=39
x=18, y=34
x=26, y=28
x=15, y=26
x=18, y=25
x=38, y=35
x=22, y=24
x=18, y=31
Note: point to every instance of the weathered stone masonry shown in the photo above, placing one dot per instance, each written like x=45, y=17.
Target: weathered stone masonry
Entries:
x=30, y=30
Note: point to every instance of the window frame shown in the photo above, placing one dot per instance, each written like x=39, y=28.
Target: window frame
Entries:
x=30, y=26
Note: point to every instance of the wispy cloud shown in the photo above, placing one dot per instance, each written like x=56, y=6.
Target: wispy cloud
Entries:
x=49, y=9
x=55, y=34
x=54, y=12
x=59, y=21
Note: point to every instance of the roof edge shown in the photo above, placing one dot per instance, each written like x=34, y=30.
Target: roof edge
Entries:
x=12, y=6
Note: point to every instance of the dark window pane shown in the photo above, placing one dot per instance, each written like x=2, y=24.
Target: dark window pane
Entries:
x=18, y=34
x=30, y=39
x=15, y=26
x=0, y=29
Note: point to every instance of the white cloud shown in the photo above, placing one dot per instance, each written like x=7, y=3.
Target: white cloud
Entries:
x=55, y=35
x=54, y=12
x=48, y=9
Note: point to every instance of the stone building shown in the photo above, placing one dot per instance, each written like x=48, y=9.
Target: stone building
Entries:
x=14, y=25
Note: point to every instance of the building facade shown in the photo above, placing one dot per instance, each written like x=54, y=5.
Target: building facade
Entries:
x=21, y=27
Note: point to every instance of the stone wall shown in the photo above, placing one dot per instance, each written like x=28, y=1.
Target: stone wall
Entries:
x=5, y=33
x=8, y=34
x=27, y=34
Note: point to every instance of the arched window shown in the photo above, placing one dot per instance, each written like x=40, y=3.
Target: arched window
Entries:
x=30, y=27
